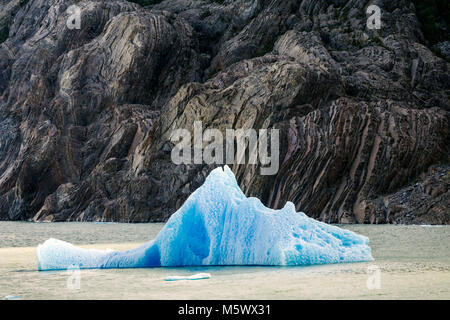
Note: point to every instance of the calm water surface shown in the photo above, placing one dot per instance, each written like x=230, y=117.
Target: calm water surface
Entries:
x=413, y=263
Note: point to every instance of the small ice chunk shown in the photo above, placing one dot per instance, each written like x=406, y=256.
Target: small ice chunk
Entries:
x=430, y=225
x=197, y=276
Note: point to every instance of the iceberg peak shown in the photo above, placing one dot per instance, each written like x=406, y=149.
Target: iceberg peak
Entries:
x=219, y=225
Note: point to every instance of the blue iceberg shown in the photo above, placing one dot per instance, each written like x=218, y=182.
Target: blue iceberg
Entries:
x=219, y=225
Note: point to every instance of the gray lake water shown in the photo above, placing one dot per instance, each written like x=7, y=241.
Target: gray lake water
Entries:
x=411, y=262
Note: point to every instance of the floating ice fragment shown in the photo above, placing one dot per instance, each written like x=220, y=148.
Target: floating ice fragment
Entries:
x=430, y=225
x=219, y=225
x=197, y=276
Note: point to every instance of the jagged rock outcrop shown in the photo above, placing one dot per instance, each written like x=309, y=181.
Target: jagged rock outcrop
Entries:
x=86, y=115
x=423, y=202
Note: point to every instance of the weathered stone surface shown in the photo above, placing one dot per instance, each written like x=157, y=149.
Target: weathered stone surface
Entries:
x=86, y=115
x=423, y=202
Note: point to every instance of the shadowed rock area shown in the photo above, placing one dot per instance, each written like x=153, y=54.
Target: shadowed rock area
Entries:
x=86, y=115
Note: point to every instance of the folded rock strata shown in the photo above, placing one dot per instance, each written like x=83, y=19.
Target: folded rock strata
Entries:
x=86, y=115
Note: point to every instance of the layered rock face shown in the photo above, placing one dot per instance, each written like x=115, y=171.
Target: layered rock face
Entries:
x=86, y=115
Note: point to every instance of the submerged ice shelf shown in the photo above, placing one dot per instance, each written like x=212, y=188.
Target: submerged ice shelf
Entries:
x=219, y=225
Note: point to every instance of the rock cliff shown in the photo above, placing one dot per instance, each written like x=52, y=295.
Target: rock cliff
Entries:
x=86, y=114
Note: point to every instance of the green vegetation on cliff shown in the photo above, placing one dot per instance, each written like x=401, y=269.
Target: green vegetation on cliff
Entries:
x=146, y=2
x=434, y=15
x=4, y=34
